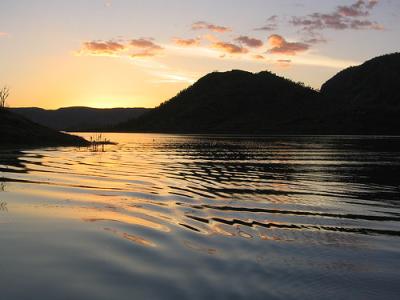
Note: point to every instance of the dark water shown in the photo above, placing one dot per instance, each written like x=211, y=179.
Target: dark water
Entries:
x=194, y=217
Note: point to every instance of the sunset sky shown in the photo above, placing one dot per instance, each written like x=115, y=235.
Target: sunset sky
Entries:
x=139, y=53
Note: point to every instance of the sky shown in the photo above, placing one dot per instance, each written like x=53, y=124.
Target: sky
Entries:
x=140, y=53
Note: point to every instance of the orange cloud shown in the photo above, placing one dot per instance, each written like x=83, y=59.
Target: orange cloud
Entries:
x=144, y=53
x=3, y=34
x=186, y=42
x=281, y=46
x=208, y=26
x=250, y=42
x=102, y=47
x=132, y=48
x=230, y=48
x=258, y=57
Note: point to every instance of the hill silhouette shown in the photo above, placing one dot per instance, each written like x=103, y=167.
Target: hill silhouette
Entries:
x=230, y=102
x=359, y=100
x=365, y=99
x=17, y=131
x=79, y=118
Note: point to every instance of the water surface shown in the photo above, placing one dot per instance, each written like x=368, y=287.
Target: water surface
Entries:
x=179, y=217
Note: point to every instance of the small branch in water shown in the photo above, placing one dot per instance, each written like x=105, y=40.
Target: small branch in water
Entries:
x=97, y=143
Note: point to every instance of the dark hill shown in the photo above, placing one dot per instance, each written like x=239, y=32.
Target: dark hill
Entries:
x=231, y=102
x=372, y=84
x=359, y=100
x=79, y=118
x=18, y=131
x=365, y=99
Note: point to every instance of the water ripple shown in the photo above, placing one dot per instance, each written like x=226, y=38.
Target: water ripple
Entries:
x=217, y=196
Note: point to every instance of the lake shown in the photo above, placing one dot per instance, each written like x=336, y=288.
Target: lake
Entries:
x=202, y=217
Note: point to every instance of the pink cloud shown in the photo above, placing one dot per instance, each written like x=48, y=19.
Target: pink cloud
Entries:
x=249, y=42
x=359, y=8
x=280, y=46
x=133, y=48
x=144, y=43
x=144, y=48
x=343, y=17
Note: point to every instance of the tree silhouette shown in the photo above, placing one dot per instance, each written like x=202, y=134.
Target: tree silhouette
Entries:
x=4, y=93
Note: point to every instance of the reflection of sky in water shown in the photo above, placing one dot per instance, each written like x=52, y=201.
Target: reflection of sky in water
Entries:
x=203, y=217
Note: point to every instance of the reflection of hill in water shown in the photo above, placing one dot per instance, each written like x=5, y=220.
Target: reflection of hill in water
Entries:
x=12, y=159
x=222, y=169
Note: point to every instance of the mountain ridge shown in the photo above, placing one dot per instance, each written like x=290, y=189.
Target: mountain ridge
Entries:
x=361, y=99
x=226, y=102
x=79, y=118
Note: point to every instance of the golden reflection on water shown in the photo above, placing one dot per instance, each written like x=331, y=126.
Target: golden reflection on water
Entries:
x=272, y=188
x=230, y=214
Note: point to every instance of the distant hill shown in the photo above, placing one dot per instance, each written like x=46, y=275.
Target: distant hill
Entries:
x=359, y=100
x=231, y=102
x=365, y=99
x=17, y=131
x=79, y=118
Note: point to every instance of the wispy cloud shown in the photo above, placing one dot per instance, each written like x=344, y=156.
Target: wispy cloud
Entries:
x=314, y=38
x=284, y=63
x=270, y=25
x=168, y=76
x=280, y=45
x=201, y=25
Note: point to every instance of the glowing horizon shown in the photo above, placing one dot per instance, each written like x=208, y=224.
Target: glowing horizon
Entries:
x=133, y=54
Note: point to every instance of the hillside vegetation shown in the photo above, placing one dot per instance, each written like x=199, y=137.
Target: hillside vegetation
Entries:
x=359, y=100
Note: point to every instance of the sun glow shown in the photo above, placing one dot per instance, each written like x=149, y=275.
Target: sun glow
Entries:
x=137, y=63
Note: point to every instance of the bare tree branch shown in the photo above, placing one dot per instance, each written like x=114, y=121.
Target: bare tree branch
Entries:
x=4, y=93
